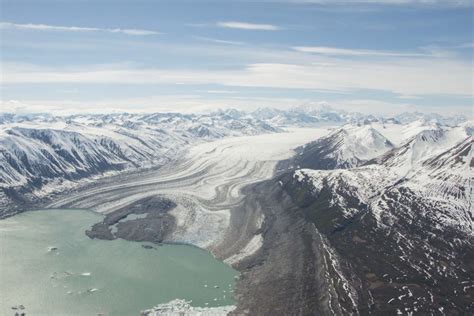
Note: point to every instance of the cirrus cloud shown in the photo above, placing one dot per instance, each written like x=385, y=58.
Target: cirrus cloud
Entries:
x=248, y=26
x=353, y=52
x=432, y=3
x=46, y=27
x=404, y=76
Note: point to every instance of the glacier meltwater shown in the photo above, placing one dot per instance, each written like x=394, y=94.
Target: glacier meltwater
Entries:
x=50, y=267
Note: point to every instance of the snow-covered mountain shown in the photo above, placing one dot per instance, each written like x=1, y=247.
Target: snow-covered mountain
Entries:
x=45, y=151
x=409, y=117
x=402, y=223
x=312, y=114
x=417, y=164
x=345, y=147
x=307, y=115
x=436, y=178
x=427, y=143
x=41, y=150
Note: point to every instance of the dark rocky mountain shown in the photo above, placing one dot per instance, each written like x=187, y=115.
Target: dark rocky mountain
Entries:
x=404, y=240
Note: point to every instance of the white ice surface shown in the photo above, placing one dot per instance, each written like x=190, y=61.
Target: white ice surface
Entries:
x=205, y=184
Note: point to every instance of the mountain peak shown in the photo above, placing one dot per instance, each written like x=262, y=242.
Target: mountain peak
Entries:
x=345, y=147
x=315, y=107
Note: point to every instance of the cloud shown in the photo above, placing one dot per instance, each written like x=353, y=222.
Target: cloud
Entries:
x=353, y=52
x=133, y=32
x=162, y=103
x=374, y=107
x=403, y=76
x=438, y=3
x=409, y=77
x=466, y=45
x=218, y=41
x=248, y=26
x=45, y=27
x=408, y=97
x=219, y=91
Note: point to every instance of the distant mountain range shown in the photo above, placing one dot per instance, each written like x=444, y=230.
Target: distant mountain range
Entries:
x=38, y=150
x=312, y=114
x=42, y=153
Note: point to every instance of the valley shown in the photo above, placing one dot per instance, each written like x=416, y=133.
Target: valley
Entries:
x=329, y=219
x=205, y=185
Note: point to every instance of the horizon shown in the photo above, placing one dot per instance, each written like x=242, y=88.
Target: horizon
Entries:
x=211, y=111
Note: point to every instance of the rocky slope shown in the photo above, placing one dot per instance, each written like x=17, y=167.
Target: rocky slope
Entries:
x=392, y=236
x=401, y=225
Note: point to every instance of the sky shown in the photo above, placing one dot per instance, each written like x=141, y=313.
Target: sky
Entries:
x=380, y=57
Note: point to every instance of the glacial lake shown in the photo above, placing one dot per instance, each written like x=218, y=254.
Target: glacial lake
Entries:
x=88, y=277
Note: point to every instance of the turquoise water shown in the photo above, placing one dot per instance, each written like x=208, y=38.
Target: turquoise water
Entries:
x=87, y=277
